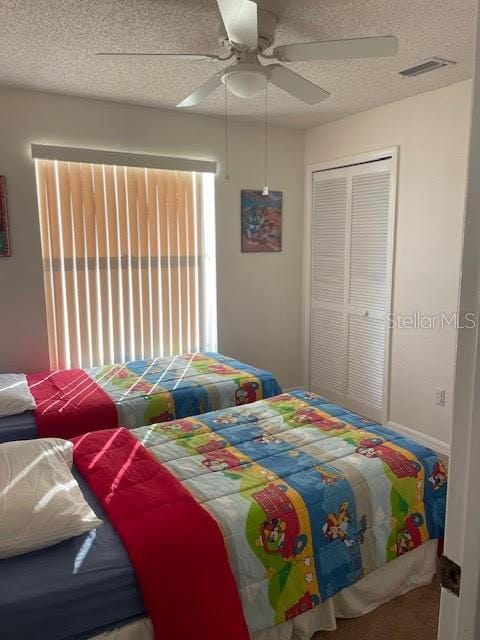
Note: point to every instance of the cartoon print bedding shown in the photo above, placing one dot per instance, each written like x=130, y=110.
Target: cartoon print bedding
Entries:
x=142, y=392
x=309, y=496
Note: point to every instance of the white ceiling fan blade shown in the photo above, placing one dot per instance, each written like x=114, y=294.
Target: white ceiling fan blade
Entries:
x=175, y=56
x=240, y=20
x=296, y=85
x=338, y=49
x=203, y=91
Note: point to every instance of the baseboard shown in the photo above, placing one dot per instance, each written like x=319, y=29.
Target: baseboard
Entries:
x=429, y=441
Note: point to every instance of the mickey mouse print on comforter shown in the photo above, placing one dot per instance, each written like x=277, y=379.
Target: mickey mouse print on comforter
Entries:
x=309, y=497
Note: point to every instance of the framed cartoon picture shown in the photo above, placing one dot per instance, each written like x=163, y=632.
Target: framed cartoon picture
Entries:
x=4, y=242
x=261, y=221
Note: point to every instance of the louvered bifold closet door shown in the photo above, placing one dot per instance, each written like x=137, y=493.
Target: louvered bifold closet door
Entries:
x=352, y=239
x=368, y=297
x=327, y=339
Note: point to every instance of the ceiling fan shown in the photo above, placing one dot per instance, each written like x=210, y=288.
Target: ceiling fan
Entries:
x=248, y=37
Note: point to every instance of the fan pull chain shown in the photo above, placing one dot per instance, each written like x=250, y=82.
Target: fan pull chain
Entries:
x=227, y=171
x=265, y=173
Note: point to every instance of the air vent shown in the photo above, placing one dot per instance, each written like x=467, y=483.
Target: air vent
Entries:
x=425, y=67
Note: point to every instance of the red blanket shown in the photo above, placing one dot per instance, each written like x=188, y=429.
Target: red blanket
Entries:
x=168, y=536
x=70, y=403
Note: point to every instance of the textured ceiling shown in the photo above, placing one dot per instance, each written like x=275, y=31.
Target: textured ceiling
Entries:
x=49, y=45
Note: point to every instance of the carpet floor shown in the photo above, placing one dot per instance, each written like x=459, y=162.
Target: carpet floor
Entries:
x=394, y=620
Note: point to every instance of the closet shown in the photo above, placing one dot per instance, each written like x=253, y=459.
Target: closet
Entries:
x=352, y=229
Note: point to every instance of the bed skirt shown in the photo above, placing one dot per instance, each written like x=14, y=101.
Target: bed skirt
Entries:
x=410, y=571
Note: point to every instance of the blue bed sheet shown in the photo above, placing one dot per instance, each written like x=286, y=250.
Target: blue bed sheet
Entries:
x=72, y=590
x=19, y=427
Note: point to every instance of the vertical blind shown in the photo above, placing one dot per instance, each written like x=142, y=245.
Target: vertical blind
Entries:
x=124, y=262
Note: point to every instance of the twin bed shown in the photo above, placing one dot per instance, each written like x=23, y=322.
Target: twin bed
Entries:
x=258, y=520
x=136, y=393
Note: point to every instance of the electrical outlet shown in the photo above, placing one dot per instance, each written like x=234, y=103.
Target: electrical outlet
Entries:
x=440, y=397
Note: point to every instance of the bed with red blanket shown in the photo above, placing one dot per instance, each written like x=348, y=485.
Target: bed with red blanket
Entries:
x=257, y=521
x=132, y=394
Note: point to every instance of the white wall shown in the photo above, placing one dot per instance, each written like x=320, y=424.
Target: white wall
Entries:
x=431, y=131
x=259, y=297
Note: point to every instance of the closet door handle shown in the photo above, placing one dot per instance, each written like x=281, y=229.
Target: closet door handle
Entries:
x=365, y=313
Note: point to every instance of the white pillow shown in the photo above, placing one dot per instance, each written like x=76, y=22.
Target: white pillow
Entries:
x=40, y=500
x=15, y=396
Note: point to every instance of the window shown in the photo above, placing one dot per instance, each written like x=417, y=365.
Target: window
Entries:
x=128, y=259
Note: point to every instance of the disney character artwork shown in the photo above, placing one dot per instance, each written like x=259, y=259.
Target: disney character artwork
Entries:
x=409, y=537
x=337, y=525
x=261, y=221
x=308, y=509
x=438, y=477
x=246, y=393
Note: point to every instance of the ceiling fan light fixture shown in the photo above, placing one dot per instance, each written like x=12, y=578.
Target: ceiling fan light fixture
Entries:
x=245, y=81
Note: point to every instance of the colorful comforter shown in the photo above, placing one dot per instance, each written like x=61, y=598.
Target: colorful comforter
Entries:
x=309, y=497
x=144, y=392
